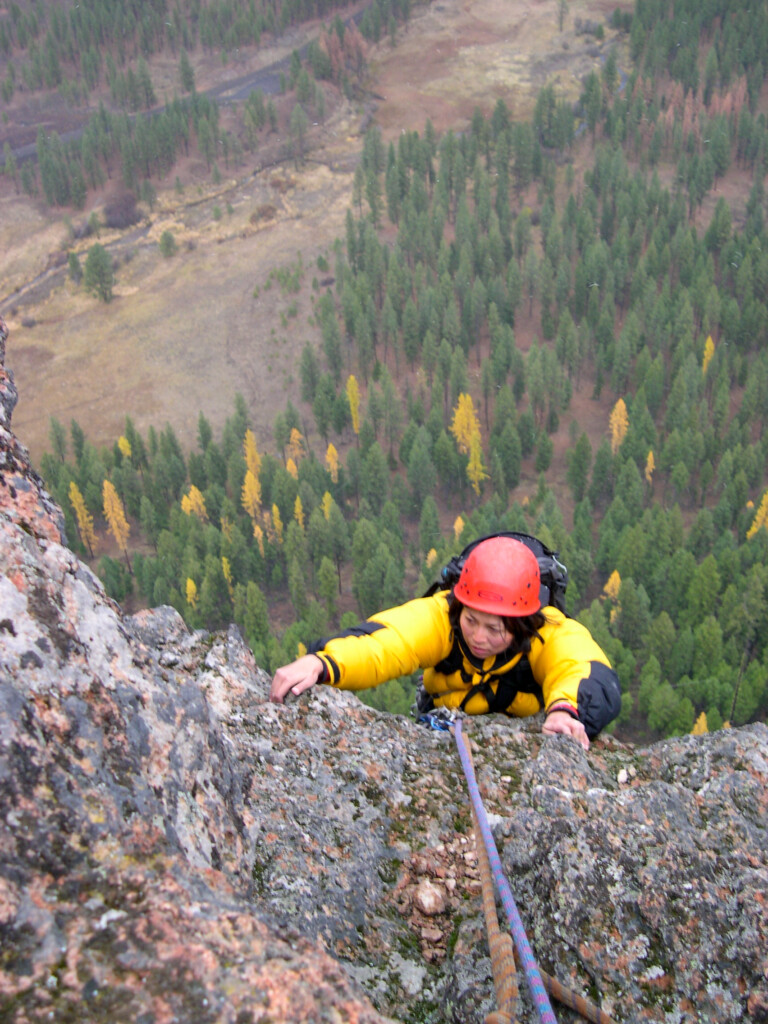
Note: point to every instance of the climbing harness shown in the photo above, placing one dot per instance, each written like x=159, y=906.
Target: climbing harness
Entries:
x=539, y=982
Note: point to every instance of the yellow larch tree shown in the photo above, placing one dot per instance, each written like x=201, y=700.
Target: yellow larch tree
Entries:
x=709, y=351
x=431, y=558
x=191, y=592
x=761, y=518
x=298, y=511
x=114, y=513
x=700, y=727
x=292, y=469
x=612, y=587
x=226, y=568
x=332, y=462
x=269, y=527
x=226, y=528
x=327, y=504
x=250, y=496
x=465, y=428
x=296, y=448
x=125, y=446
x=277, y=524
x=353, y=397
x=84, y=518
x=458, y=528
x=650, y=465
x=251, y=453
x=193, y=504
x=475, y=469
x=258, y=533
x=465, y=423
x=619, y=424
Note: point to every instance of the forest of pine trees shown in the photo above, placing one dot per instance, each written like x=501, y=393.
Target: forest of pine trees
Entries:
x=99, y=44
x=422, y=408
x=93, y=38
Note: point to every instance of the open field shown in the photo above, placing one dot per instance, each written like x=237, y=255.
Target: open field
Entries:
x=184, y=335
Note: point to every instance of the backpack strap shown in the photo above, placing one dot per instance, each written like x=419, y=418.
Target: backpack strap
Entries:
x=554, y=575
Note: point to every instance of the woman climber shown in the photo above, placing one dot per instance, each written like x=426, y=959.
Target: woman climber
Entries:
x=489, y=644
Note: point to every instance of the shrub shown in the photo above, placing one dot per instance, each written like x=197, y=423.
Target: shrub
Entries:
x=116, y=578
x=121, y=212
x=99, y=277
x=75, y=270
x=167, y=244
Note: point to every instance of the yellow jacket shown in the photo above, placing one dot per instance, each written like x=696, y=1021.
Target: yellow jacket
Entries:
x=565, y=667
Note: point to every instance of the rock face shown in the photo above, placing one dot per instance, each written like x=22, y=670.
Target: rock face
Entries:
x=176, y=848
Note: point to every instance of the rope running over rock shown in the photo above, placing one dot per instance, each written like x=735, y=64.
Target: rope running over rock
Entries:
x=500, y=943
x=536, y=978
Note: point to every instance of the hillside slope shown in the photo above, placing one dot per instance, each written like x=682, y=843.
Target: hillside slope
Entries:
x=174, y=847
x=214, y=310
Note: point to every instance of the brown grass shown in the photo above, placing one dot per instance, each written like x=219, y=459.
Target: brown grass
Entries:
x=183, y=335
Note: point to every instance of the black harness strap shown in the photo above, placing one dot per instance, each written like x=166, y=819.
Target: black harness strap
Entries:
x=519, y=679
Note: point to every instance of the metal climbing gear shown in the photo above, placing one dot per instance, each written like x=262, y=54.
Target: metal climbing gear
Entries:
x=439, y=719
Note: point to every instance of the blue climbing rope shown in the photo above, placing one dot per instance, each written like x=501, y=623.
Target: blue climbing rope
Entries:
x=524, y=951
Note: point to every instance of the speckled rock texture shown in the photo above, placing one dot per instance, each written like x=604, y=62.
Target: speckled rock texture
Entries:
x=173, y=847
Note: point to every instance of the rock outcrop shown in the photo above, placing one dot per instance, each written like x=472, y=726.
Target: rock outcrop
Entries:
x=176, y=848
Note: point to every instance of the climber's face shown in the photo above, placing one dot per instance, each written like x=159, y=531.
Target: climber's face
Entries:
x=485, y=634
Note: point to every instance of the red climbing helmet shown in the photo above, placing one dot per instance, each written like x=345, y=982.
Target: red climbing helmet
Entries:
x=501, y=576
